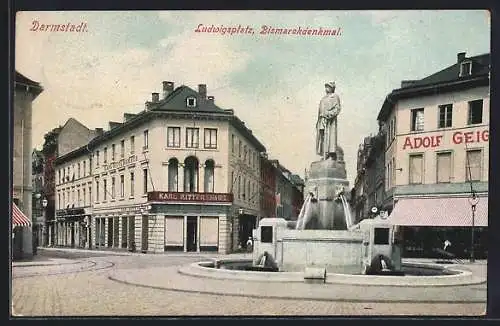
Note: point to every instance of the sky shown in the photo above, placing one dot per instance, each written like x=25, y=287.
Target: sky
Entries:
x=273, y=82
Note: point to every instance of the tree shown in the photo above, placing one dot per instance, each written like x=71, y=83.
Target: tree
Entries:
x=50, y=145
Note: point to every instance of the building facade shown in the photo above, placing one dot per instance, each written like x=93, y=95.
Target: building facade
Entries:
x=37, y=210
x=25, y=92
x=181, y=175
x=369, y=185
x=437, y=155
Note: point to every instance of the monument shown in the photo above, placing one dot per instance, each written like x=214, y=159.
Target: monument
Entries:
x=326, y=204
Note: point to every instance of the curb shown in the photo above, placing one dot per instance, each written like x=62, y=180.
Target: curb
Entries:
x=465, y=278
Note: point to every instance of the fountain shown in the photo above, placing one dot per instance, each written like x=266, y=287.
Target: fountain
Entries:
x=325, y=235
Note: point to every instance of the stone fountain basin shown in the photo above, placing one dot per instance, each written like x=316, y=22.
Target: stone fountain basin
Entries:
x=450, y=275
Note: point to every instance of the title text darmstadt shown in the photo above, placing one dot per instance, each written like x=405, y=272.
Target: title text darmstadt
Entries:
x=268, y=30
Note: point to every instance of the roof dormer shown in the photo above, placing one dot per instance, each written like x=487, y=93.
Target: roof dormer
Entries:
x=465, y=68
x=191, y=102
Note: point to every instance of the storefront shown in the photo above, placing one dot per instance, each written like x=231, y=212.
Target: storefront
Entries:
x=189, y=222
x=428, y=222
x=72, y=228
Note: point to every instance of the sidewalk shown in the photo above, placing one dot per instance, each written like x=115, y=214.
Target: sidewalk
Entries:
x=121, y=252
x=42, y=261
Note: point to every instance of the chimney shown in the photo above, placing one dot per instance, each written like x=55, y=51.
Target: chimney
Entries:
x=407, y=83
x=202, y=90
x=211, y=99
x=168, y=87
x=460, y=57
x=147, y=105
x=155, y=97
x=99, y=131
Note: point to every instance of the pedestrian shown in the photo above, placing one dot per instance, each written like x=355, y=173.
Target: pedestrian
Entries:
x=447, y=244
x=249, y=244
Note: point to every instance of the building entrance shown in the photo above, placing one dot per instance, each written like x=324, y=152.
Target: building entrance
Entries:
x=192, y=231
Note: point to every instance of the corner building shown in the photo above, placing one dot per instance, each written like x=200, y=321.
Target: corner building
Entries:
x=436, y=156
x=182, y=175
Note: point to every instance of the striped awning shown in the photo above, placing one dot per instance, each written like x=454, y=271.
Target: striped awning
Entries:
x=18, y=217
x=447, y=212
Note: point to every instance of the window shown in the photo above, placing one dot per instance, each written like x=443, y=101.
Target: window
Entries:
x=239, y=187
x=78, y=198
x=105, y=155
x=417, y=119
x=210, y=138
x=122, y=148
x=416, y=168
x=132, y=144
x=245, y=154
x=122, y=186
x=394, y=128
x=445, y=115
x=64, y=200
x=105, y=188
x=209, y=176
x=475, y=112
x=97, y=159
x=473, y=165
x=192, y=137
x=146, y=140
x=59, y=200
x=90, y=195
x=381, y=236
x=191, y=174
x=97, y=190
x=113, y=188
x=191, y=102
x=239, y=148
x=266, y=234
x=113, y=152
x=173, y=137
x=173, y=174
x=78, y=176
x=145, y=181
x=131, y=184
x=443, y=167
x=84, y=168
x=84, y=197
x=233, y=143
x=465, y=68
x=249, y=193
x=244, y=186
x=232, y=181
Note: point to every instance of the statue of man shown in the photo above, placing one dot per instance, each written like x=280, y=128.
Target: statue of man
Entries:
x=326, y=126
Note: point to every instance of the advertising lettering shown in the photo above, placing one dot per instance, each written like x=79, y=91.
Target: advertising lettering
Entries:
x=120, y=163
x=189, y=197
x=458, y=137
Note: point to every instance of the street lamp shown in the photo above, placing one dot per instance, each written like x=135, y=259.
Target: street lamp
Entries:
x=44, y=219
x=473, y=200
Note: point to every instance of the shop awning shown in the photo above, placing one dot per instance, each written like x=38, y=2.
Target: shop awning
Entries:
x=18, y=217
x=448, y=212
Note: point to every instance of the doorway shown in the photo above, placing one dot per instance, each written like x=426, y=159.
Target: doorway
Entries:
x=192, y=231
x=144, y=242
x=246, y=224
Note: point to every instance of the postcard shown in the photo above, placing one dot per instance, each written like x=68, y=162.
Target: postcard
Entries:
x=250, y=163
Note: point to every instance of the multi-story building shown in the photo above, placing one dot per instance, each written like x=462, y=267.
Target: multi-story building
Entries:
x=437, y=154
x=37, y=210
x=289, y=191
x=369, y=186
x=25, y=92
x=73, y=183
x=268, y=187
x=183, y=175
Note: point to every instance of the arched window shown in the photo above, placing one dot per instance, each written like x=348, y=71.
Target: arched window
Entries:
x=173, y=166
x=209, y=176
x=191, y=174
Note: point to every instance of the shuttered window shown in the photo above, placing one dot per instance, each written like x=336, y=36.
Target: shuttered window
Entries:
x=416, y=168
x=443, y=167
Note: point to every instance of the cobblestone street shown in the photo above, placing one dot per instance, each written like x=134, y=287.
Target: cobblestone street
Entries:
x=81, y=287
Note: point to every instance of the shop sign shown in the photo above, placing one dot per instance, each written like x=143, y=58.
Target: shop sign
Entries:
x=190, y=197
x=126, y=210
x=458, y=137
x=121, y=163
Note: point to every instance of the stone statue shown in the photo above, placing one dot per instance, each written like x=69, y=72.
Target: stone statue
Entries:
x=326, y=126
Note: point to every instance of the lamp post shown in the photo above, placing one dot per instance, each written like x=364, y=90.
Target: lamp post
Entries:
x=44, y=221
x=473, y=200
